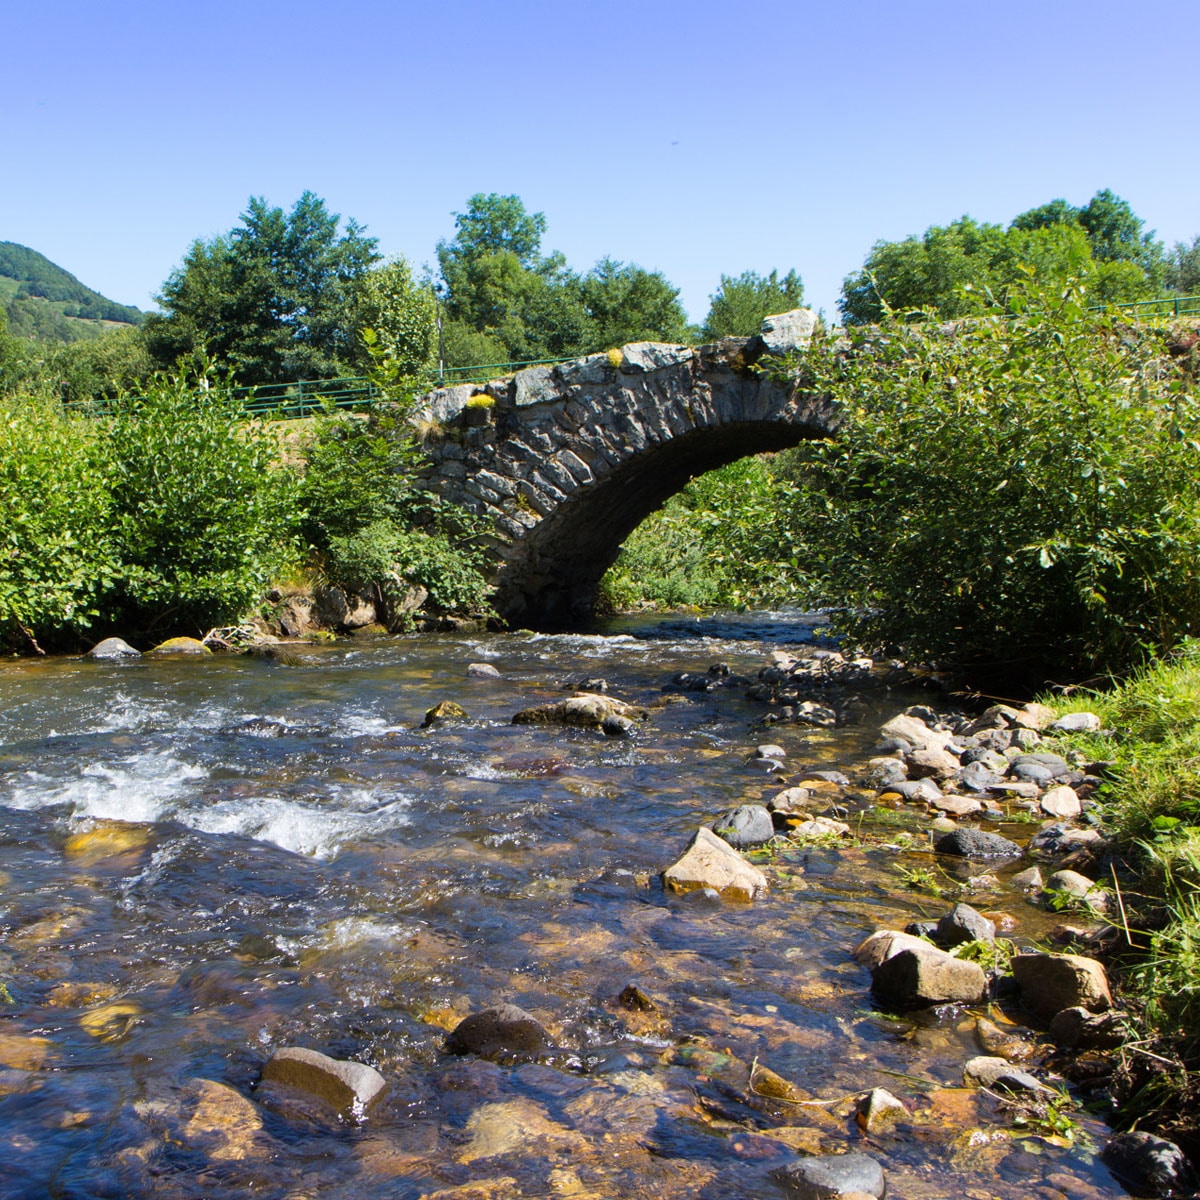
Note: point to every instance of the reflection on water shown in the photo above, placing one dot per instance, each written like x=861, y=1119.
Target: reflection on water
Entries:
x=201, y=861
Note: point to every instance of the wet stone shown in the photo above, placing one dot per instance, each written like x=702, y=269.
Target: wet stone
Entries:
x=976, y=843
x=710, y=862
x=482, y=671
x=1079, y=887
x=351, y=1089
x=1078, y=1029
x=964, y=924
x=1000, y=1073
x=1048, y=983
x=113, y=647
x=926, y=975
x=1149, y=1164
x=443, y=711
x=826, y=1177
x=746, y=825
x=1061, y=801
x=879, y=1110
x=505, y=1033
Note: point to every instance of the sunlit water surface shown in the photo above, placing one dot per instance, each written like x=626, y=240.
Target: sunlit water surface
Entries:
x=204, y=860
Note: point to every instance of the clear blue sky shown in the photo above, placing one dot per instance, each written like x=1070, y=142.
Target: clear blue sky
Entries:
x=694, y=138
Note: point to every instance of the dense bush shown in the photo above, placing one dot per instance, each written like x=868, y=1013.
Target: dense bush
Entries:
x=1013, y=495
x=202, y=511
x=57, y=553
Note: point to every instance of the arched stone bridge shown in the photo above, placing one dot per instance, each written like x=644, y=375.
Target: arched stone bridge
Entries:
x=564, y=462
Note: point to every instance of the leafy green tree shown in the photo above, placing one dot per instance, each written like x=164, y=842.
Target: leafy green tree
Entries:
x=742, y=301
x=403, y=317
x=274, y=299
x=1183, y=268
x=626, y=303
x=115, y=363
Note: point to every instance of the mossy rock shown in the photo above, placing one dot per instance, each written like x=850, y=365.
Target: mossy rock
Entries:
x=181, y=645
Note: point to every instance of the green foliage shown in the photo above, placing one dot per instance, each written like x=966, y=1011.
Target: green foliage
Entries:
x=741, y=302
x=962, y=268
x=57, y=553
x=115, y=363
x=1017, y=494
x=402, y=315
x=626, y=303
x=725, y=541
x=201, y=509
x=272, y=301
x=1183, y=268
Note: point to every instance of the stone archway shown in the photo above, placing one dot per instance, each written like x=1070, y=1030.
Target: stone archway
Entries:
x=565, y=462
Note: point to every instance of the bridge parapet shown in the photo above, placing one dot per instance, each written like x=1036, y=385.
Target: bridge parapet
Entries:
x=565, y=461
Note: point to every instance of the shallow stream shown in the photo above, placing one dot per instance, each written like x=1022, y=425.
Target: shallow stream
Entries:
x=204, y=860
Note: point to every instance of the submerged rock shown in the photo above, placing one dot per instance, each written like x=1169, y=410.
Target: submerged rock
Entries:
x=879, y=1110
x=1000, y=1073
x=828, y=1176
x=351, y=1089
x=444, y=710
x=505, y=1032
x=1149, y=1164
x=709, y=862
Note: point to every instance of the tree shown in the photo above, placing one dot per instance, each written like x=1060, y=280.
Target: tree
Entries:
x=741, y=302
x=402, y=315
x=1183, y=268
x=273, y=299
x=626, y=303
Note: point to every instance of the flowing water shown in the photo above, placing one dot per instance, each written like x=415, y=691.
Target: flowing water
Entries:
x=204, y=860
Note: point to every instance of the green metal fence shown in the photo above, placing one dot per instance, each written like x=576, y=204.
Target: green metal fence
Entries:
x=1167, y=306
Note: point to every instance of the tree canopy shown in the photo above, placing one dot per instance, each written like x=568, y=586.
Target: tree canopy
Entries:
x=741, y=302
x=273, y=300
x=962, y=267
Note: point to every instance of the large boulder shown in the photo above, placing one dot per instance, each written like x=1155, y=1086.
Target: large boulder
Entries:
x=1148, y=1164
x=914, y=734
x=113, y=647
x=1048, y=983
x=926, y=975
x=710, y=862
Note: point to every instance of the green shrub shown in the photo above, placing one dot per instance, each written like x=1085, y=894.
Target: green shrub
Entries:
x=1012, y=495
x=202, y=509
x=57, y=555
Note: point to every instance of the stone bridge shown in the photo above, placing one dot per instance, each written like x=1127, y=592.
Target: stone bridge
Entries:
x=564, y=462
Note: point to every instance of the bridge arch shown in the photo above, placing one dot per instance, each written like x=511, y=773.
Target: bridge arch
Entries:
x=564, y=462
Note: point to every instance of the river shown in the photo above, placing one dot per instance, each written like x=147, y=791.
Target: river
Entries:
x=204, y=860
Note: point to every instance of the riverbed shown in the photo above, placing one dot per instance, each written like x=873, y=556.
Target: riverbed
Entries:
x=203, y=860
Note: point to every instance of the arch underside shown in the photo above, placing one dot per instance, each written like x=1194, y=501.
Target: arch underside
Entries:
x=553, y=577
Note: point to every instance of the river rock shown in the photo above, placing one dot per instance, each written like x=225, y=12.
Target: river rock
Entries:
x=618, y=726
x=710, y=862
x=887, y=770
x=1071, y=883
x=999, y=1044
x=444, y=710
x=976, y=843
x=351, y=1089
x=181, y=645
x=1078, y=722
x=796, y=801
x=769, y=750
x=504, y=1032
x=1029, y=880
x=1078, y=1029
x=883, y=943
x=1048, y=983
x=927, y=975
x=746, y=825
x=819, y=827
x=113, y=647
x=879, y=1110
x=932, y=763
x=339, y=609
x=958, y=806
x=1149, y=1164
x=1061, y=801
x=828, y=1176
x=482, y=671
x=914, y=734
x=587, y=710
x=964, y=924
x=924, y=791
x=1000, y=1073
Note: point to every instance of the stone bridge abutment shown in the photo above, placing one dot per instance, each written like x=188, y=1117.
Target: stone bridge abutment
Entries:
x=563, y=462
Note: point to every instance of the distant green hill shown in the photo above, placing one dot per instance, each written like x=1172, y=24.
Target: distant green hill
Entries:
x=44, y=301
